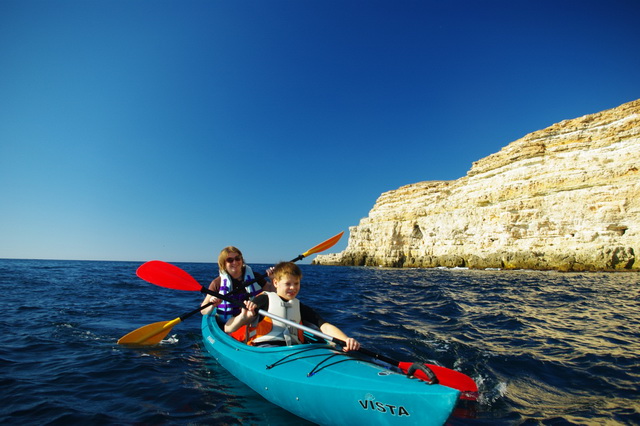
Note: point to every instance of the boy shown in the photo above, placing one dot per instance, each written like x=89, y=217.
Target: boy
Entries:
x=283, y=303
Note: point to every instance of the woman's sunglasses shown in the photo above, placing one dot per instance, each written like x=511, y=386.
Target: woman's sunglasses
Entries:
x=234, y=259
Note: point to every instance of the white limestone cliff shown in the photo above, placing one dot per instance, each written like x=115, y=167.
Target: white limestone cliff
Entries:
x=566, y=197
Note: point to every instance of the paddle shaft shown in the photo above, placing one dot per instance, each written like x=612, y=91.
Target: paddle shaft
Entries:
x=320, y=247
x=153, y=333
x=253, y=280
x=195, y=311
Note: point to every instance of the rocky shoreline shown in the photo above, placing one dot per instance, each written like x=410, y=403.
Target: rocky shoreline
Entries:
x=564, y=198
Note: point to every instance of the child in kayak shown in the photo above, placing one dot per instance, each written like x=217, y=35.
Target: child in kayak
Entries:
x=267, y=332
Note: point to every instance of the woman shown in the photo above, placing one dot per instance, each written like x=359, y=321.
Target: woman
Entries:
x=232, y=282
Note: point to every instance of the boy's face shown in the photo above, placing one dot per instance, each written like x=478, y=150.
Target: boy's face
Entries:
x=287, y=286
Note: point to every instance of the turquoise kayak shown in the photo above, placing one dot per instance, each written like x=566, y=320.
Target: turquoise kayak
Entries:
x=329, y=387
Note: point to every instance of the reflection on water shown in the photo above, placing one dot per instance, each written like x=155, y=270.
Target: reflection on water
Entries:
x=541, y=345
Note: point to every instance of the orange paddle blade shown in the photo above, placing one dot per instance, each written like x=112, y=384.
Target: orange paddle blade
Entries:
x=149, y=334
x=324, y=245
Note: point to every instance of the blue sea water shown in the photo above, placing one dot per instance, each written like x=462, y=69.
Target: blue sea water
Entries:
x=544, y=347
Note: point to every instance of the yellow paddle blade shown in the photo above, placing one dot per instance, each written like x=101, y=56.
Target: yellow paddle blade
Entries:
x=149, y=334
x=324, y=245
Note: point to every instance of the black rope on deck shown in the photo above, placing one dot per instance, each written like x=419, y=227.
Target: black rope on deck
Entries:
x=295, y=356
x=318, y=369
x=287, y=359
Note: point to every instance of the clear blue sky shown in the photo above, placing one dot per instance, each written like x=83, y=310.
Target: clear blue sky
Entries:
x=154, y=129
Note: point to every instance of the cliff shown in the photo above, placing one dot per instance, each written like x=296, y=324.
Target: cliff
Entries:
x=566, y=198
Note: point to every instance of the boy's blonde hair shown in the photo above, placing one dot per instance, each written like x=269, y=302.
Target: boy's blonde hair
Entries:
x=286, y=268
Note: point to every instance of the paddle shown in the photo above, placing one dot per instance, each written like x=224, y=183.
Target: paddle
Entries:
x=320, y=247
x=154, y=333
x=167, y=275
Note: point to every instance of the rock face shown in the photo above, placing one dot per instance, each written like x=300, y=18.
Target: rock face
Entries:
x=564, y=198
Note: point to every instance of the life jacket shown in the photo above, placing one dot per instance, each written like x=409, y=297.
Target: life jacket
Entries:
x=226, y=310
x=269, y=330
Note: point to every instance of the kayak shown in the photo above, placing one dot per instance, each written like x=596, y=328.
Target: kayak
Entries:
x=327, y=386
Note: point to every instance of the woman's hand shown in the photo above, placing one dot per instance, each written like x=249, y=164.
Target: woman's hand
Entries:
x=209, y=299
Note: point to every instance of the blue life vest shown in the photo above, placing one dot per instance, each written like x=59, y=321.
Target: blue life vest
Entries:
x=226, y=310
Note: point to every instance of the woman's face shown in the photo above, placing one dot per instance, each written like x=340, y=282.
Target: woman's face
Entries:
x=234, y=264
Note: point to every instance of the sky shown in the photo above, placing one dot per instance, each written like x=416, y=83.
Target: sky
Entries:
x=154, y=129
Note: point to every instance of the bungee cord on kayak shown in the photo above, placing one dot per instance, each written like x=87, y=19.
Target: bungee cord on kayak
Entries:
x=318, y=367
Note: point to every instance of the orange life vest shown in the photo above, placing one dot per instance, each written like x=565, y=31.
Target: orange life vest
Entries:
x=268, y=330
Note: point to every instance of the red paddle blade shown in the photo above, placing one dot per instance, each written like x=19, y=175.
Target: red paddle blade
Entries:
x=167, y=275
x=448, y=377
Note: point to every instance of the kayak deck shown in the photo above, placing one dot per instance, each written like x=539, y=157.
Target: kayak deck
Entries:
x=328, y=386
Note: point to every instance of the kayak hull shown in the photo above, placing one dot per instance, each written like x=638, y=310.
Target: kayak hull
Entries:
x=326, y=386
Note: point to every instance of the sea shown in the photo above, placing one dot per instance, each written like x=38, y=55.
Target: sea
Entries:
x=546, y=348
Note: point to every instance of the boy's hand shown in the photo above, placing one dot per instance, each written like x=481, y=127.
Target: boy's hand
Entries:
x=249, y=310
x=351, y=345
